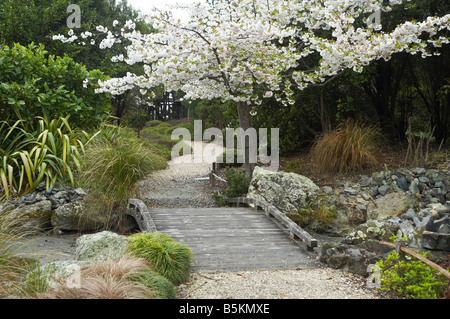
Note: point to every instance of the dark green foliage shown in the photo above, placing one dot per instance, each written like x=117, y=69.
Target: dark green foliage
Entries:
x=168, y=257
x=237, y=186
x=34, y=84
x=237, y=183
x=160, y=285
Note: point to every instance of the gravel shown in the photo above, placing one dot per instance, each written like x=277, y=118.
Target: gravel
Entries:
x=316, y=283
x=185, y=182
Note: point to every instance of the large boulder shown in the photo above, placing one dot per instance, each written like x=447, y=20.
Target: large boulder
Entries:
x=74, y=217
x=289, y=192
x=100, y=246
x=390, y=205
x=33, y=218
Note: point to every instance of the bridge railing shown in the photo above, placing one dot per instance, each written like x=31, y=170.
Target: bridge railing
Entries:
x=139, y=211
x=285, y=223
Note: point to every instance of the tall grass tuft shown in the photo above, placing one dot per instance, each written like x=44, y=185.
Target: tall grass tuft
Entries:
x=168, y=257
x=350, y=147
x=12, y=267
x=160, y=285
x=113, y=162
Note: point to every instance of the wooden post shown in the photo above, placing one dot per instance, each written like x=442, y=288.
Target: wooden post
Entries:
x=398, y=248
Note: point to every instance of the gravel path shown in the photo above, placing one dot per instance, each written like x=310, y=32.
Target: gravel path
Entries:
x=184, y=185
x=317, y=283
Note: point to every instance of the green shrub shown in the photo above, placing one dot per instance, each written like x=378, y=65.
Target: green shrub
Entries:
x=350, y=147
x=411, y=279
x=160, y=285
x=34, y=84
x=237, y=183
x=168, y=257
x=237, y=186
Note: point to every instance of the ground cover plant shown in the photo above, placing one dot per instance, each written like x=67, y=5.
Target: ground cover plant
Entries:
x=409, y=278
x=168, y=257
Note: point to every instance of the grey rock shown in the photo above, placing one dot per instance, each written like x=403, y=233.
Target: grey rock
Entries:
x=35, y=217
x=60, y=195
x=402, y=183
x=419, y=170
x=414, y=188
x=75, y=217
x=410, y=214
x=444, y=229
x=328, y=190
x=100, y=246
x=289, y=192
x=351, y=191
x=385, y=189
x=391, y=205
x=436, y=241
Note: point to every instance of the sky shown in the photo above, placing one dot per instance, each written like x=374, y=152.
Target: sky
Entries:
x=147, y=5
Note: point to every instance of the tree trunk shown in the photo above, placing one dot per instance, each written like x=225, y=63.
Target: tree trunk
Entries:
x=244, y=122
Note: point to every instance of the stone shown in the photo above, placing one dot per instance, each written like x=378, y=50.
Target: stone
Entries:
x=328, y=190
x=414, y=187
x=402, y=183
x=383, y=190
x=35, y=217
x=419, y=170
x=346, y=257
x=74, y=216
x=289, y=192
x=391, y=205
x=351, y=191
x=100, y=246
x=410, y=214
x=435, y=241
x=439, y=208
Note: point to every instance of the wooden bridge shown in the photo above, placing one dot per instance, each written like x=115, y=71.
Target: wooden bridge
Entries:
x=233, y=238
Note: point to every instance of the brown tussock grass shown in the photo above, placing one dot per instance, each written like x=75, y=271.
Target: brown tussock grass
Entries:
x=351, y=147
x=106, y=280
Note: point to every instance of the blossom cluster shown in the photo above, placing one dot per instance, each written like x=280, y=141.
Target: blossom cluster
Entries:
x=247, y=50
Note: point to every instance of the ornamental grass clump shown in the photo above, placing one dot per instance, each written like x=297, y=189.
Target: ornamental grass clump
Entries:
x=161, y=286
x=168, y=257
x=114, y=161
x=350, y=147
x=12, y=267
x=110, y=279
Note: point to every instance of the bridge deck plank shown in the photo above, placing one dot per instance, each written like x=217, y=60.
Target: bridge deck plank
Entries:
x=232, y=239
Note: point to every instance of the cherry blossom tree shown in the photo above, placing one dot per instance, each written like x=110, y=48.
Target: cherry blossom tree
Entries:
x=248, y=50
